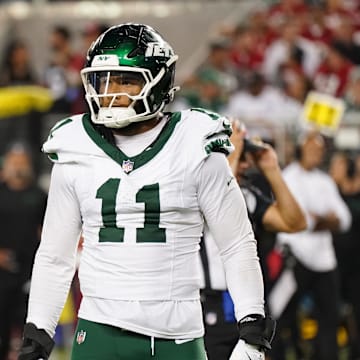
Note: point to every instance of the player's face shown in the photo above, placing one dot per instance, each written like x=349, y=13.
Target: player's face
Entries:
x=119, y=82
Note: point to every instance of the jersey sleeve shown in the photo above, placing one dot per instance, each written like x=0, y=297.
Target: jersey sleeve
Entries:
x=225, y=213
x=55, y=260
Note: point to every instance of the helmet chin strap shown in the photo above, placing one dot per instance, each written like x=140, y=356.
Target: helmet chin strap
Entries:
x=115, y=117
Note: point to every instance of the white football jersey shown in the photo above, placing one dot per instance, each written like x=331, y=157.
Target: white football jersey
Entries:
x=141, y=218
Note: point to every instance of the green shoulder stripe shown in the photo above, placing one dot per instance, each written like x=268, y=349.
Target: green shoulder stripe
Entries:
x=59, y=125
x=213, y=115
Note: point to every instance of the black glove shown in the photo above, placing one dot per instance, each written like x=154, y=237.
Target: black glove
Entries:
x=37, y=344
x=257, y=330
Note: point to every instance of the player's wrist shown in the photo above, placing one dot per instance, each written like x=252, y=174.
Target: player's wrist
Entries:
x=257, y=331
x=37, y=344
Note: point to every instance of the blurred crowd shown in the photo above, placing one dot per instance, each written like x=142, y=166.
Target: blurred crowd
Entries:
x=259, y=71
x=275, y=57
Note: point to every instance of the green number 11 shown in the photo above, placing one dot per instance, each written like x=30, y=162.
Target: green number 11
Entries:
x=149, y=195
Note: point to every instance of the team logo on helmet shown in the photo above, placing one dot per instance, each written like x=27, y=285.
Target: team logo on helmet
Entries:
x=157, y=49
x=80, y=337
x=105, y=60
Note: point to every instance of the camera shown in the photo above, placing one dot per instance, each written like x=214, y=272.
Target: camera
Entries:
x=251, y=146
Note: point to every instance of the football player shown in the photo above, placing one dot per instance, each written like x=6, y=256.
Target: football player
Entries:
x=139, y=183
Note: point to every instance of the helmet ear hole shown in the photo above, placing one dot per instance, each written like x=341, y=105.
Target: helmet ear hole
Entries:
x=139, y=107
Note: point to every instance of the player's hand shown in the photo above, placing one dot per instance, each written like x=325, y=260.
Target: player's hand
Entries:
x=244, y=351
x=37, y=344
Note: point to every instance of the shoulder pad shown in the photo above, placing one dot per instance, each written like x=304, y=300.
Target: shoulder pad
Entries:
x=67, y=141
x=216, y=137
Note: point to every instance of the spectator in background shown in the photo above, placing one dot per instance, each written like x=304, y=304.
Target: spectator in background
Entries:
x=22, y=205
x=213, y=81
x=316, y=29
x=17, y=68
x=335, y=9
x=333, y=73
x=62, y=74
x=344, y=39
x=291, y=44
x=206, y=91
x=282, y=10
x=90, y=33
x=295, y=85
x=261, y=103
x=352, y=92
x=259, y=22
x=281, y=213
x=345, y=170
x=292, y=78
x=316, y=266
x=218, y=62
x=247, y=53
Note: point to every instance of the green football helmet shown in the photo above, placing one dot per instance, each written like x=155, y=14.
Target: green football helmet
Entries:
x=131, y=54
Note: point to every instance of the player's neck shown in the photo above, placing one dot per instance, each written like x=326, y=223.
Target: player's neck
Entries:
x=137, y=127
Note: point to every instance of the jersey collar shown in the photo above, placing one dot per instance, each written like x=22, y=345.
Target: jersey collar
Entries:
x=141, y=159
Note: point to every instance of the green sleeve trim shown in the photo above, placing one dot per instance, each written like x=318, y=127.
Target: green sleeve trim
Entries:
x=219, y=145
x=53, y=156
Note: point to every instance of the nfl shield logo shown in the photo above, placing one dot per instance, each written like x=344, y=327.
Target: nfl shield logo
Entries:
x=127, y=166
x=80, y=337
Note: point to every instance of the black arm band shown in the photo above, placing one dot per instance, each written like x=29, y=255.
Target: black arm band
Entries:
x=257, y=330
x=40, y=336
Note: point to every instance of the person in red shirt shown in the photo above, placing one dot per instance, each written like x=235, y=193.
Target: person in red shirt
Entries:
x=333, y=73
x=247, y=53
x=283, y=9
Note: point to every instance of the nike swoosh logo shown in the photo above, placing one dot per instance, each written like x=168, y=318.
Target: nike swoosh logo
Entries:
x=231, y=179
x=182, y=341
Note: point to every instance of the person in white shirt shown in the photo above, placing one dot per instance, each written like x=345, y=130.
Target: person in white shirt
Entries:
x=139, y=184
x=280, y=50
x=261, y=104
x=316, y=267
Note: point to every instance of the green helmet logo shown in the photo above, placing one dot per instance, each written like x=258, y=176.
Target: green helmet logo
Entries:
x=140, y=52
